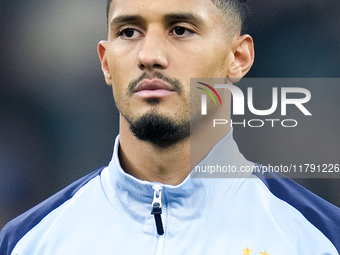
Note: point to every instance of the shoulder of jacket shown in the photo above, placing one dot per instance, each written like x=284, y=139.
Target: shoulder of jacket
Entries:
x=319, y=212
x=21, y=225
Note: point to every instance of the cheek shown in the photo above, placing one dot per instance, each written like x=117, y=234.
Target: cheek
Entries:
x=210, y=65
x=117, y=72
x=120, y=79
x=119, y=64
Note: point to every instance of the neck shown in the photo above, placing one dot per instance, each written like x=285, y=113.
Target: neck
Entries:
x=169, y=165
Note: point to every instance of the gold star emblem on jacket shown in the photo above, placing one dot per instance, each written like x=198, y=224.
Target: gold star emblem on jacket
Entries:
x=246, y=251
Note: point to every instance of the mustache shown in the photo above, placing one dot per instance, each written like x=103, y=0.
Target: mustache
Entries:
x=175, y=83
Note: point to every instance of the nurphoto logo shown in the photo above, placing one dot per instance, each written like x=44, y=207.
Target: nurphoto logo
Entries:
x=204, y=97
x=295, y=96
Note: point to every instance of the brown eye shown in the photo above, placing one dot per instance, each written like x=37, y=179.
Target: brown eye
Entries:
x=181, y=31
x=129, y=33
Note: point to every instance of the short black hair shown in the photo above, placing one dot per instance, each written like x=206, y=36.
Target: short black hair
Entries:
x=236, y=12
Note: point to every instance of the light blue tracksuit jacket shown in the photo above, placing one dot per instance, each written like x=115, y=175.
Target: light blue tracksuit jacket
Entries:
x=110, y=212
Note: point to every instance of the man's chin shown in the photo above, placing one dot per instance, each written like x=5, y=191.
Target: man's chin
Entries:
x=159, y=130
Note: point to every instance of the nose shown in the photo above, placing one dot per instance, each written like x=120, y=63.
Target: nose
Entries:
x=152, y=54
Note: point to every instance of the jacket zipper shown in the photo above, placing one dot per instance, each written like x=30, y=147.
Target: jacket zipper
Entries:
x=157, y=208
x=157, y=211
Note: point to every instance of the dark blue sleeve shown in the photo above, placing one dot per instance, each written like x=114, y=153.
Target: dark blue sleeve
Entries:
x=322, y=214
x=18, y=227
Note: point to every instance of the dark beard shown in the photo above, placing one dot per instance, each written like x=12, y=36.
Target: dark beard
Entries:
x=159, y=130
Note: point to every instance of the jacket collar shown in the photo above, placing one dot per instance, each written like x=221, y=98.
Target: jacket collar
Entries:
x=188, y=200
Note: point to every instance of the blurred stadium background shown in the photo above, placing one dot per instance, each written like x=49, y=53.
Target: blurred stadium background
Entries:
x=58, y=120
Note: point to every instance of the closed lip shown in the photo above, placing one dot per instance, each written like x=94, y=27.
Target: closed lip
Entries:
x=154, y=84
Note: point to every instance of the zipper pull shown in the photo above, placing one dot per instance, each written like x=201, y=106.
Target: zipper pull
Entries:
x=157, y=208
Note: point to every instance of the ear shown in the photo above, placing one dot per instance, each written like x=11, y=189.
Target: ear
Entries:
x=243, y=57
x=102, y=46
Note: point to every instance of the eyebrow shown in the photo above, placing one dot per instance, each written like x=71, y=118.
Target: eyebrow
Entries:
x=184, y=17
x=170, y=17
x=127, y=19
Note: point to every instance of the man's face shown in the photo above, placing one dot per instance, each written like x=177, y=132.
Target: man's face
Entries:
x=155, y=47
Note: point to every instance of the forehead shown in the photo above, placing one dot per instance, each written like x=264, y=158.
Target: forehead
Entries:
x=152, y=9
